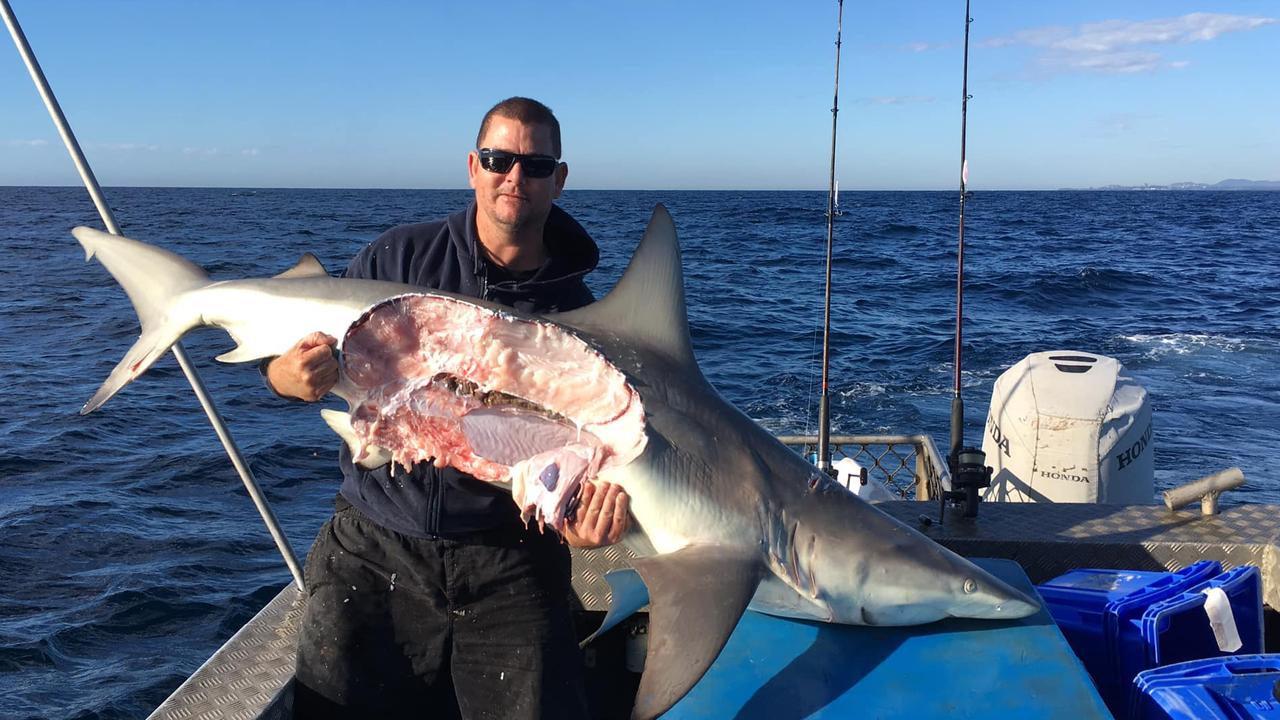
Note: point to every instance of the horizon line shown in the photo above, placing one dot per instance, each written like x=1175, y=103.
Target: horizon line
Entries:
x=1113, y=188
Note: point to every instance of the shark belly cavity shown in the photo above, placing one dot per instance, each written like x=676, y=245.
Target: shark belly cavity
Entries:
x=497, y=396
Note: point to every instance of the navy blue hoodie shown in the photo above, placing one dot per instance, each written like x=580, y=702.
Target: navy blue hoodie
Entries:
x=444, y=255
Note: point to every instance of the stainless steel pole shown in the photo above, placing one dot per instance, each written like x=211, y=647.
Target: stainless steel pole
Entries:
x=108, y=218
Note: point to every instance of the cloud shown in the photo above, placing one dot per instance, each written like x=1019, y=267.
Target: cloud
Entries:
x=898, y=99
x=214, y=152
x=1120, y=47
x=129, y=147
x=919, y=47
x=1115, y=63
x=27, y=143
x=1110, y=35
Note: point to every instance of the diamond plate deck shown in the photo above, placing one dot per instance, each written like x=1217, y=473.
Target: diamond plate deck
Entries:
x=1050, y=539
x=248, y=677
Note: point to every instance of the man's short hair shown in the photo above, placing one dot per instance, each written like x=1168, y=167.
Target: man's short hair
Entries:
x=527, y=111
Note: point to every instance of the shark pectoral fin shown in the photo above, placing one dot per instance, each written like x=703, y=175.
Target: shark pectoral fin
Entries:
x=242, y=353
x=697, y=595
x=340, y=423
x=247, y=349
x=629, y=596
x=308, y=266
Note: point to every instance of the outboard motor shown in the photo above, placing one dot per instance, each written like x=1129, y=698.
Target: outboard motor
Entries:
x=1069, y=426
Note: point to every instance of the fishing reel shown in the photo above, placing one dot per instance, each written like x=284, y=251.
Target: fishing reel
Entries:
x=969, y=474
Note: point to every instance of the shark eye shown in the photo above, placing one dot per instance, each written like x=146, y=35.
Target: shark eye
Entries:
x=970, y=587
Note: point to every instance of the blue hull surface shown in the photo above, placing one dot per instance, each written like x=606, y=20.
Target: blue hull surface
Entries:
x=779, y=669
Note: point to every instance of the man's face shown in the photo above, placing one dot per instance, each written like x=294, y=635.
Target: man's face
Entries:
x=514, y=200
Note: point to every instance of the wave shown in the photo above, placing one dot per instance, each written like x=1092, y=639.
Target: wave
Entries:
x=1162, y=344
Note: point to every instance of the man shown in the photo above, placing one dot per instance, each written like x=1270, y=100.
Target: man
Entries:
x=427, y=595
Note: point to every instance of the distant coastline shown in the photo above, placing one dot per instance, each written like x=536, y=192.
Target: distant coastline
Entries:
x=1232, y=184
x=1225, y=185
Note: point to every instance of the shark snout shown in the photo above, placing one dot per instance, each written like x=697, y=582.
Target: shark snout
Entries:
x=989, y=598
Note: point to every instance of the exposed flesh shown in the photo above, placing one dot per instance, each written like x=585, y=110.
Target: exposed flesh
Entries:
x=501, y=398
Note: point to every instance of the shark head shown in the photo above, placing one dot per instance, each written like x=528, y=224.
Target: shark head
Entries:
x=863, y=567
x=939, y=585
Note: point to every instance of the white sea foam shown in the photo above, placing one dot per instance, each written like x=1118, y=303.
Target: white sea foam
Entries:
x=1163, y=344
x=862, y=390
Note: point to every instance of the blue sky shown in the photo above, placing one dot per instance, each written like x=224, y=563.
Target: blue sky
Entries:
x=658, y=95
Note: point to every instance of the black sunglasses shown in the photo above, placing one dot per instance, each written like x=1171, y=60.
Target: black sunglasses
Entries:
x=501, y=161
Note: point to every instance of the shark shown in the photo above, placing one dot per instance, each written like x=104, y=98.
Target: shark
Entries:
x=725, y=517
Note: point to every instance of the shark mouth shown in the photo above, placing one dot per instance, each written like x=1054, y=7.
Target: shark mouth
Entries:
x=502, y=398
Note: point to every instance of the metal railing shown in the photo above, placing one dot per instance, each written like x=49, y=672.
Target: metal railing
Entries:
x=908, y=465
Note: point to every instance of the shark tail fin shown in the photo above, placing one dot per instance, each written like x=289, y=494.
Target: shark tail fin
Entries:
x=154, y=279
x=153, y=343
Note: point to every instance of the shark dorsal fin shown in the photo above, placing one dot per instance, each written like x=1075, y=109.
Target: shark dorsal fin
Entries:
x=647, y=304
x=308, y=266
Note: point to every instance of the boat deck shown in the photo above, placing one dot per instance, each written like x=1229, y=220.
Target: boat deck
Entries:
x=251, y=676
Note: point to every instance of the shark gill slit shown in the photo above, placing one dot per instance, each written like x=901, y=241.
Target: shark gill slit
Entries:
x=813, y=577
x=798, y=576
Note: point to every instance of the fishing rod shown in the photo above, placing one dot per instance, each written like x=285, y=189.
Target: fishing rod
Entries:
x=968, y=468
x=108, y=219
x=824, y=403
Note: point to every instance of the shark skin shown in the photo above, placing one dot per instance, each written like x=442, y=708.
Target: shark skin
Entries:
x=725, y=516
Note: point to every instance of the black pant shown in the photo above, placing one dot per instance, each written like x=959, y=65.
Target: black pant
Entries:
x=397, y=626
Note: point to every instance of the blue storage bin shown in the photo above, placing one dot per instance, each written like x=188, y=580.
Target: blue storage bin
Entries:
x=1079, y=598
x=1091, y=606
x=1077, y=602
x=1123, y=612
x=1233, y=688
x=1177, y=629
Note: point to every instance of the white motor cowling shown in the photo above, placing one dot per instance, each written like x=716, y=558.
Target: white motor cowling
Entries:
x=1069, y=426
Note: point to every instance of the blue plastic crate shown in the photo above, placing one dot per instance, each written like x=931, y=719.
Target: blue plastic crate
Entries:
x=1080, y=597
x=1091, y=605
x=1084, y=602
x=1124, y=612
x=1234, y=688
x=1177, y=629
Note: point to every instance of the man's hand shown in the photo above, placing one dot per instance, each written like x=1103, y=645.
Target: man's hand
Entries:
x=307, y=371
x=601, y=518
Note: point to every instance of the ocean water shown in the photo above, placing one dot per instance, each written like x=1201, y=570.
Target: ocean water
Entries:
x=129, y=550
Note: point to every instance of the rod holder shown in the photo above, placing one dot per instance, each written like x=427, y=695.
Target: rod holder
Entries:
x=1206, y=490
